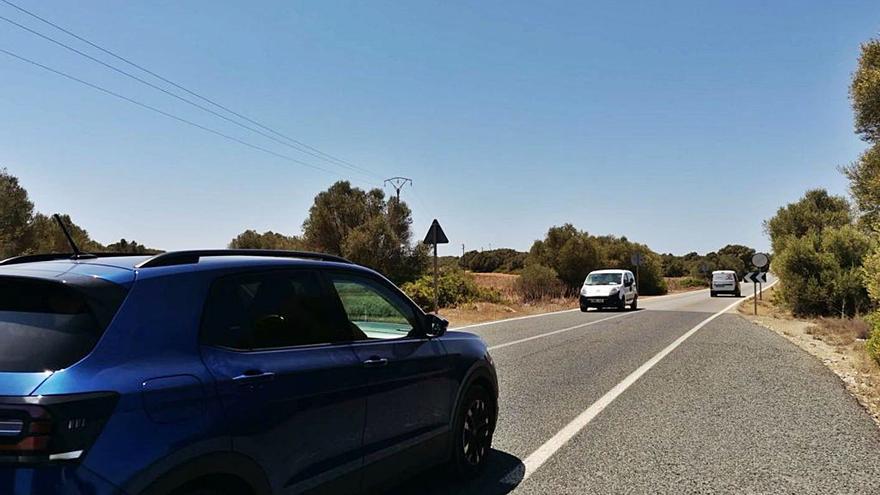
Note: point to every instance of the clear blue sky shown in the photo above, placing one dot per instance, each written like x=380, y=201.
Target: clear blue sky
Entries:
x=679, y=124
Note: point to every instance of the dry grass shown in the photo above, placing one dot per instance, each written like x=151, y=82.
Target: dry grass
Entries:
x=840, y=331
x=502, y=282
x=838, y=343
x=512, y=305
x=481, y=312
x=766, y=306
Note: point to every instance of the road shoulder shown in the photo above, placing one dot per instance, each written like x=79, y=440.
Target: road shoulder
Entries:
x=846, y=358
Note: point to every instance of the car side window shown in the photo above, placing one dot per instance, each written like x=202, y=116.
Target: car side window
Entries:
x=372, y=308
x=269, y=310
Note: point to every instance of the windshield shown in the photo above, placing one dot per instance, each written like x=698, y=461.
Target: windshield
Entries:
x=722, y=276
x=603, y=279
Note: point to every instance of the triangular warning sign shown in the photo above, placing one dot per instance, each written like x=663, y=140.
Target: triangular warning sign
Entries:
x=435, y=234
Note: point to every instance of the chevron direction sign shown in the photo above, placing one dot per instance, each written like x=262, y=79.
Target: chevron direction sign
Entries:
x=756, y=277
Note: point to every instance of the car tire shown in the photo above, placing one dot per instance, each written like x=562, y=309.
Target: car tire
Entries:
x=621, y=305
x=584, y=308
x=635, y=304
x=472, y=432
x=712, y=293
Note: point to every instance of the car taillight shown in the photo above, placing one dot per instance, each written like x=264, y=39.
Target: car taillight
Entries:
x=51, y=428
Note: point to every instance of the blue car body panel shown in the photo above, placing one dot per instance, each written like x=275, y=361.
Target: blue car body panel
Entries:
x=182, y=407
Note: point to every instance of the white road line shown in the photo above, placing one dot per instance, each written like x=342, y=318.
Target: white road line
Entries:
x=493, y=322
x=537, y=458
x=554, y=332
x=551, y=313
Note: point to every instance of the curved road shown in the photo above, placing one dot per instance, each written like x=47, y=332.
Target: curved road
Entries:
x=681, y=396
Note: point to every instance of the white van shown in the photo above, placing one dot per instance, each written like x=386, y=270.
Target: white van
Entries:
x=609, y=288
x=724, y=282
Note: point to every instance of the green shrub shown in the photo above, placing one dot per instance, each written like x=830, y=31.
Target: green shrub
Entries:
x=495, y=260
x=679, y=283
x=689, y=282
x=454, y=287
x=538, y=282
x=873, y=342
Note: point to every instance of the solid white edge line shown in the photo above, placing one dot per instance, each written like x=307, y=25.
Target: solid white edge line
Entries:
x=554, y=332
x=537, y=458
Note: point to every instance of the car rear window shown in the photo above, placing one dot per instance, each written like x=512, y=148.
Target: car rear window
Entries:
x=50, y=325
x=722, y=276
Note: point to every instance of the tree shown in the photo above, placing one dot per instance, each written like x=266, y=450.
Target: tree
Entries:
x=124, y=246
x=16, y=213
x=573, y=254
x=251, y=239
x=570, y=253
x=618, y=252
x=495, y=260
x=865, y=92
x=365, y=228
x=742, y=253
x=45, y=236
x=818, y=256
x=339, y=210
x=814, y=212
x=864, y=185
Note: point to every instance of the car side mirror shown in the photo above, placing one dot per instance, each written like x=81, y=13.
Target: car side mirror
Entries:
x=436, y=326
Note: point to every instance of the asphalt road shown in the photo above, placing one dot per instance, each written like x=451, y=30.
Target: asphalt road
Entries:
x=661, y=400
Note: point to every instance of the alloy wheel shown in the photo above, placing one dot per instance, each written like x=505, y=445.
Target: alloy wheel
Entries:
x=476, y=432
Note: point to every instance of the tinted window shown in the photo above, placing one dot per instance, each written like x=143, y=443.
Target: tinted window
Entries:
x=49, y=325
x=373, y=308
x=269, y=310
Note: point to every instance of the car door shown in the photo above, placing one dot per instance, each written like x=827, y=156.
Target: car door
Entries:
x=630, y=287
x=411, y=385
x=291, y=385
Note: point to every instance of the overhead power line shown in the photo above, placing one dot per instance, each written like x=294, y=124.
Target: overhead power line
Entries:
x=290, y=142
x=166, y=114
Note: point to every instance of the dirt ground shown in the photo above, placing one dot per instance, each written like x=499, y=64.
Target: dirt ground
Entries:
x=838, y=343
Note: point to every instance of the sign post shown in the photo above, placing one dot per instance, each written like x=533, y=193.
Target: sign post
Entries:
x=436, y=236
x=760, y=260
x=756, y=278
x=636, y=260
x=704, y=269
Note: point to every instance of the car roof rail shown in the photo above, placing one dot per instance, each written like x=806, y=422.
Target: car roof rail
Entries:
x=33, y=258
x=191, y=257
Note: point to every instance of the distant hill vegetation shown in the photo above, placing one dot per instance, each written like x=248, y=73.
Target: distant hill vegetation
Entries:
x=24, y=231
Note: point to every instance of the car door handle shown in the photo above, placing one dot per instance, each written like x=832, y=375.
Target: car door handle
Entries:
x=253, y=376
x=375, y=362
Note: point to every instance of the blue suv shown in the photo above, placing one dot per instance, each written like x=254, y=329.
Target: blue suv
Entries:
x=229, y=372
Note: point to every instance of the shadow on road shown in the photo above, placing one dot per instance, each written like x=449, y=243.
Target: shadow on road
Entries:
x=615, y=310
x=503, y=473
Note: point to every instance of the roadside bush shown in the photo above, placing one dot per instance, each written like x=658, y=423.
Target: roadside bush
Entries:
x=840, y=331
x=873, y=345
x=454, y=287
x=690, y=282
x=677, y=283
x=502, y=260
x=573, y=254
x=538, y=282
